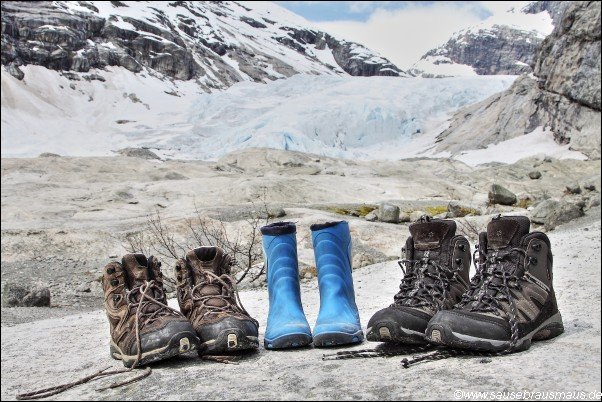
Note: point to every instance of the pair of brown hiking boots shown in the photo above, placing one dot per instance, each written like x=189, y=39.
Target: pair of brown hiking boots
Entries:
x=509, y=302
x=145, y=329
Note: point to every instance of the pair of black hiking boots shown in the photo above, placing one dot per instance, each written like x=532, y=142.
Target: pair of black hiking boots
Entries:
x=509, y=302
x=145, y=329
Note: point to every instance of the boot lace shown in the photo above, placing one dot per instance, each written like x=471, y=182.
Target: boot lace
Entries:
x=229, y=295
x=497, y=274
x=145, y=302
x=489, y=288
x=139, y=299
x=422, y=285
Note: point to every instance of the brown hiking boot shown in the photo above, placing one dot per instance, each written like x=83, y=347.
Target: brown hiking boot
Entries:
x=437, y=264
x=511, y=300
x=143, y=328
x=208, y=297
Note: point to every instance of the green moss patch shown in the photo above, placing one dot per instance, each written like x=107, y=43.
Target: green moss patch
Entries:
x=360, y=211
x=436, y=210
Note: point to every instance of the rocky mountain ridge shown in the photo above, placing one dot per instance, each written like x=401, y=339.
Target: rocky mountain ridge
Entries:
x=215, y=43
x=562, y=95
x=502, y=44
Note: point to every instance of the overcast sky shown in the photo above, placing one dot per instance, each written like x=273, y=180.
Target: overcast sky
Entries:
x=402, y=31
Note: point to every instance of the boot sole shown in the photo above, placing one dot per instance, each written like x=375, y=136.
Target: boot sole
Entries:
x=328, y=339
x=229, y=340
x=392, y=332
x=440, y=335
x=178, y=344
x=288, y=341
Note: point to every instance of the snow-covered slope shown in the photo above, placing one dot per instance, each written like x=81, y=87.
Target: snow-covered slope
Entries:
x=369, y=117
x=504, y=43
x=216, y=44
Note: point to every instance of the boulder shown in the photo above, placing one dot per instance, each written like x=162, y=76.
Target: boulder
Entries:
x=501, y=195
x=388, y=213
x=15, y=71
x=371, y=216
x=542, y=210
x=270, y=212
x=276, y=212
x=535, y=175
x=566, y=212
x=175, y=176
x=361, y=260
x=14, y=295
x=573, y=188
x=84, y=288
x=552, y=213
x=138, y=153
x=589, y=186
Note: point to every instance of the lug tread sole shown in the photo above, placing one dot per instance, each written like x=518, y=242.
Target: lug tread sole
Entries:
x=443, y=336
x=391, y=332
x=178, y=344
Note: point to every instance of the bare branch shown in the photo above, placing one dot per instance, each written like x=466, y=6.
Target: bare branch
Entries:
x=243, y=244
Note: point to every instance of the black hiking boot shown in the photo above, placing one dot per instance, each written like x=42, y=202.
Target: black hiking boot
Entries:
x=511, y=301
x=436, y=274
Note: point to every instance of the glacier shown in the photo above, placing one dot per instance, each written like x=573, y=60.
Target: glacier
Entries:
x=348, y=117
x=338, y=116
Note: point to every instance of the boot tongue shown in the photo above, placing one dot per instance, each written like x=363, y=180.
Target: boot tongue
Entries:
x=430, y=238
x=209, y=259
x=432, y=234
x=137, y=272
x=136, y=269
x=507, y=231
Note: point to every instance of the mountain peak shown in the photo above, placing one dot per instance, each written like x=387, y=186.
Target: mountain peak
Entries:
x=503, y=44
x=215, y=43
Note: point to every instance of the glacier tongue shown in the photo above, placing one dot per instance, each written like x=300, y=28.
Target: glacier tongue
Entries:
x=338, y=116
x=374, y=117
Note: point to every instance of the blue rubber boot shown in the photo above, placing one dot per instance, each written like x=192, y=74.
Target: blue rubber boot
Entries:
x=287, y=325
x=338, y=322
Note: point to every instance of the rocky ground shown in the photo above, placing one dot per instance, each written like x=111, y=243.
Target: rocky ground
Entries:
x=64, y=218
x=51, y=351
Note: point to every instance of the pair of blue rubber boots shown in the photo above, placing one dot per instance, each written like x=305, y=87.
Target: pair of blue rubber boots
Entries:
x=338, y=321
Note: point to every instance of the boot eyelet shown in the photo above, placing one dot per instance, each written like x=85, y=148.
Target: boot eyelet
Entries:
x=533, y=260
x=116, y=298
x=111, y=270
x=462, y=247
x=458, y=261
x=536, y=246
x=114, y=282
x=179, y=278
x=178, y=268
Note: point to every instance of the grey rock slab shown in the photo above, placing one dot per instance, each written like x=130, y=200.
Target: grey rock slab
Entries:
x=80, y=346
